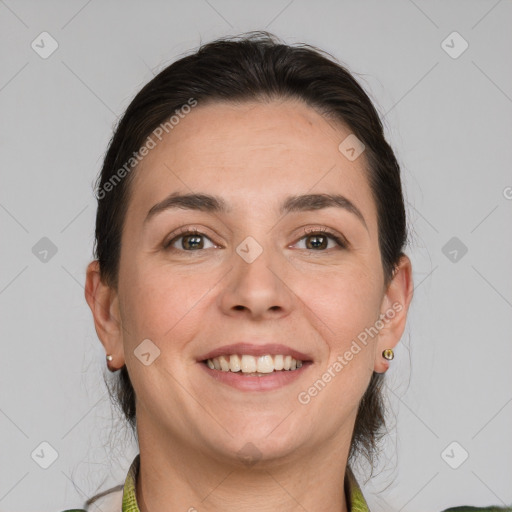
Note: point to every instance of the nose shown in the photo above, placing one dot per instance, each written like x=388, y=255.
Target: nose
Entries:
x=258, y=289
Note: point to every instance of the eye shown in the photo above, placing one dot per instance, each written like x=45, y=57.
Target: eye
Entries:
x=191, y=240
x=319, y=238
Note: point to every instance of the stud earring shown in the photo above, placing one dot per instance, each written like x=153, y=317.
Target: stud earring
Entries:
x=388, y=354
x=109, y=357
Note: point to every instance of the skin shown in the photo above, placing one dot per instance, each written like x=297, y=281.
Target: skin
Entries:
x=190, y=427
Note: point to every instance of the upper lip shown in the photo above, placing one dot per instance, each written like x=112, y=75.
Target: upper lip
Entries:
x=255, y=350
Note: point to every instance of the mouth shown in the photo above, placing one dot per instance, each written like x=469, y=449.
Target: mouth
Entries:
x=254, y=366
x=249, y=367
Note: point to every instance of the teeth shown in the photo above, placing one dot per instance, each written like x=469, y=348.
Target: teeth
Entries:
x=265, y=364
x=251, y=365
x=224, y=363
x=248, y=364
x=234, y=363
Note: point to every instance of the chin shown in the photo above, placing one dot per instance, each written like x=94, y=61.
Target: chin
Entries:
x=268, y=440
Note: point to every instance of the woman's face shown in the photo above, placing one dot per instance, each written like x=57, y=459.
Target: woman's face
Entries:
x=263, y=271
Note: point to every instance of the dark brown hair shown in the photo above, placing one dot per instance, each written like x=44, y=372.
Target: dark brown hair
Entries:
x=255, y=66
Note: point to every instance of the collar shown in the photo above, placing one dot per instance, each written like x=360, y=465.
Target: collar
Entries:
x=355, y=498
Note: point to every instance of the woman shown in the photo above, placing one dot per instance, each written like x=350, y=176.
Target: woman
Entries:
x=250, y=282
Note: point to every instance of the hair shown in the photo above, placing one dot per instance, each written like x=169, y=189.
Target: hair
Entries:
x=255, y=66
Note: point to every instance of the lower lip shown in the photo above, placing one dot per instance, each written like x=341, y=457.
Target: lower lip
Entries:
x=267, y=382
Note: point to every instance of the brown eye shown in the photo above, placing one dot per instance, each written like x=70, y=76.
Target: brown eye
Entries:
x=190, y=241
x=318, y=240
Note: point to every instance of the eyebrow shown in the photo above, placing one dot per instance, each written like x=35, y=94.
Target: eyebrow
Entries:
x=215, y=204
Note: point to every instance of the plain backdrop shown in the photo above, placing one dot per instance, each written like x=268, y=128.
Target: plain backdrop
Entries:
x=440, y=74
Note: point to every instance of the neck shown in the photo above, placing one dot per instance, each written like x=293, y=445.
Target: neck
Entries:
x=179, y=477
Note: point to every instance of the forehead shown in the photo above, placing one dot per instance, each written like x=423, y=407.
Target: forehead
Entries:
x=253, y=154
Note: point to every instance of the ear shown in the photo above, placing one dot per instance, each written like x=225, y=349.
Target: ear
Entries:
x=104, y=304
x=394, y=308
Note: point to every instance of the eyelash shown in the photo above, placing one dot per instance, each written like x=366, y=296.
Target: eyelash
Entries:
x=340, y=241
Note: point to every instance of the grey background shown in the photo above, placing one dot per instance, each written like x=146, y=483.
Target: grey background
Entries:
x=449, y=121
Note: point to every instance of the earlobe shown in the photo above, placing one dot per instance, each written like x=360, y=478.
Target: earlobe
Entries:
x=104, y=305
x=395, y=306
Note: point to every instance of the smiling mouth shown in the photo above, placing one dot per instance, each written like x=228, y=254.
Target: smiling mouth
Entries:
x=254, y=366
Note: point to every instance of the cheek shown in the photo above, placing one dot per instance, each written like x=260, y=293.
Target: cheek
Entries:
x=345, y=300
x=161, y=303
x=344, y=305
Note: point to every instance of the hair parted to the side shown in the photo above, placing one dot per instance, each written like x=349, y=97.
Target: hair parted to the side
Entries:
x=248, y=67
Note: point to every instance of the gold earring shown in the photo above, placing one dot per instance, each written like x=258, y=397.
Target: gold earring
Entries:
x=388, y=354
x=109, y=357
